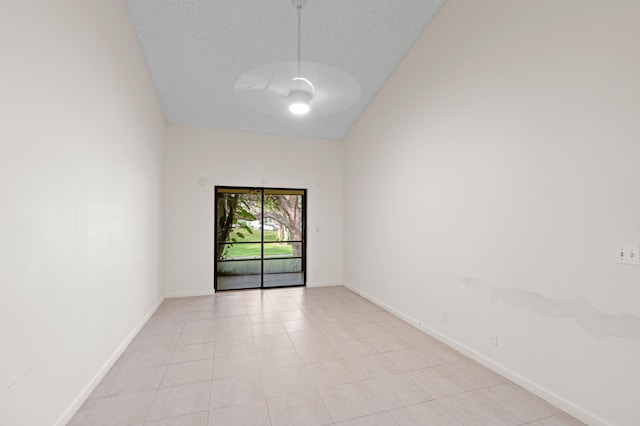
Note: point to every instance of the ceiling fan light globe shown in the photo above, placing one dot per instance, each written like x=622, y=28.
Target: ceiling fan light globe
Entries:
x=299, y=102
x=299, y=108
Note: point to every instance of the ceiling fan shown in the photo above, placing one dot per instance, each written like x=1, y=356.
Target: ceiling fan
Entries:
x=298, y=87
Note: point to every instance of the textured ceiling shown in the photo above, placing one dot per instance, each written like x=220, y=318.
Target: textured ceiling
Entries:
x=197, y=49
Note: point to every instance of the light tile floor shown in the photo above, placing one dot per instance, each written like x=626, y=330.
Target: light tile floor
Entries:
x=300, y=356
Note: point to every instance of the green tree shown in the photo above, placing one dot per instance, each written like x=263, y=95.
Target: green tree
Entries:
x=234, y=210
x=286, y=209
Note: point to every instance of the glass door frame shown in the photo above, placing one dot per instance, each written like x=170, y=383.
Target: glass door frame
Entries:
x=262, y=242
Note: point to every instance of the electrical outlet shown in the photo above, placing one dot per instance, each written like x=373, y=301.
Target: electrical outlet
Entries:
x=629, y=255
x=445, y=317
x=493, y=338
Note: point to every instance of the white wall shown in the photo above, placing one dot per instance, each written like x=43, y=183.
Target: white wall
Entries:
x=502, y=158
x=199, y=159
x=81, y=147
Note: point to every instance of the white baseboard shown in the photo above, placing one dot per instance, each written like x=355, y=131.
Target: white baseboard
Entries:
x=569, y=407
x=189, y=294
x=77, y=403
x=324, y=284
x=210, y=292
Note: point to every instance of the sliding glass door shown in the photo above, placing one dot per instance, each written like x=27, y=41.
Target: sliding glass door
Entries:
x=260, y=238
x=238, y=256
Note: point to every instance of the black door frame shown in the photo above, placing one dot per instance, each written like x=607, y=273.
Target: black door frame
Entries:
x=262, y=192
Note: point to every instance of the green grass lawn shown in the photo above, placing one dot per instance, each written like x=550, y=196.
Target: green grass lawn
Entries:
x=268, y=235
x=253, y=250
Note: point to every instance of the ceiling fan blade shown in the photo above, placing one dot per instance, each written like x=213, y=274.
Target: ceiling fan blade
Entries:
x=266, y=88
